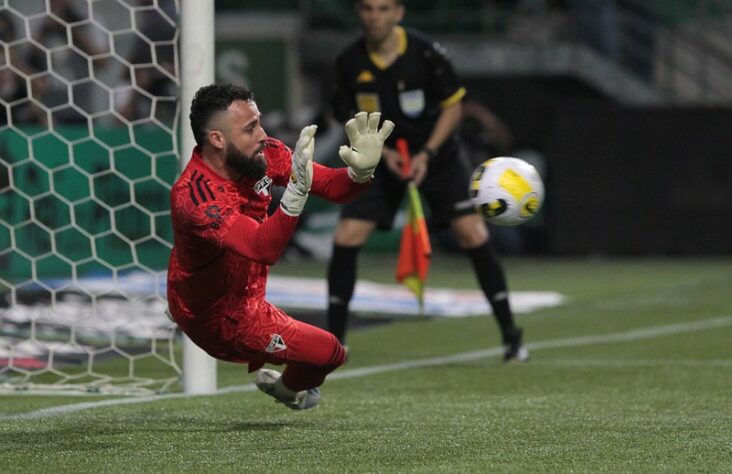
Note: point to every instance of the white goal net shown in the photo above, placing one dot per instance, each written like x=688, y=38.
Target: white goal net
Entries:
x=88, y=152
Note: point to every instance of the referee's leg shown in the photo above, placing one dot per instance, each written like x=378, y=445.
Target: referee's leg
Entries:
x=350, y=236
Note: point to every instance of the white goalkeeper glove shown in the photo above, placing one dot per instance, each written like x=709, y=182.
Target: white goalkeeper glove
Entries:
x=366, y=141
x=294, y=198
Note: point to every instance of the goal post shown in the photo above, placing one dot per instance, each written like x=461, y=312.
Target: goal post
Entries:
x=93, y=133
x=197, y=67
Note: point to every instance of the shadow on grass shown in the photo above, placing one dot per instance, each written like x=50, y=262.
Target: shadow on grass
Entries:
x=97, y=434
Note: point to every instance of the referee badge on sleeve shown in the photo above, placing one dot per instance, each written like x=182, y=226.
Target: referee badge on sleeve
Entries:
x=412, y=102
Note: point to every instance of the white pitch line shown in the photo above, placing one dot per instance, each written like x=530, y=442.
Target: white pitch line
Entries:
x=635, y=363
x=636, y=334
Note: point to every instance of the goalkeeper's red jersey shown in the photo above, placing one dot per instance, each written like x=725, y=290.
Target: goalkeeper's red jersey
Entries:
x=224, y=243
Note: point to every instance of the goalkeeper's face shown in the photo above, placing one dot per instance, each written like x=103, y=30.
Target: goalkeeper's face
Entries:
x=245, y=139
x=254, y=166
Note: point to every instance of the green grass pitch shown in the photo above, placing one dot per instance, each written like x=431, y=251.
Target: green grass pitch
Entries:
x=632, y=374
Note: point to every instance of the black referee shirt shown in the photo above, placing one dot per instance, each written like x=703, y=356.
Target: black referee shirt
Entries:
x=411, y=91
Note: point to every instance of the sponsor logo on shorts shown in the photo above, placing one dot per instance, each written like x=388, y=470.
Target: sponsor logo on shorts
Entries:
x=276, y=344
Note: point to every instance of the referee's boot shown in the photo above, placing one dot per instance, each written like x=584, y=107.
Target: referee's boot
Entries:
x=513, y=348
x=270, y=382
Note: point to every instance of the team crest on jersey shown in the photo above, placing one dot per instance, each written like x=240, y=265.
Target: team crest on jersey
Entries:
x=368, y=102
x=276, y=344
x=262, y=186
x=412, y=102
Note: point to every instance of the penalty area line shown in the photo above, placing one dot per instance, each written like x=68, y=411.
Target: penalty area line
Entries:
x=625, y=336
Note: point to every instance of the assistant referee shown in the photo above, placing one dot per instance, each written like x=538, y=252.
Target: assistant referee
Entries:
x=410, y=80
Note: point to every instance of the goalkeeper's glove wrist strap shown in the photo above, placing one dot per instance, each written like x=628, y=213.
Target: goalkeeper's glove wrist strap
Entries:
x=293, y=201
x=361, y=176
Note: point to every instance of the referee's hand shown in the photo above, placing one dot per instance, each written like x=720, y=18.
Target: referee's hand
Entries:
x=418, y=170
x=417, y=165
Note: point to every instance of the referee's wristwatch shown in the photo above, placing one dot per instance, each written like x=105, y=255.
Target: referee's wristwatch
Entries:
x=431, y=153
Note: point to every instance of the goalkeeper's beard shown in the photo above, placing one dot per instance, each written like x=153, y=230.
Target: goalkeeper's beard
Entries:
x=253, y=167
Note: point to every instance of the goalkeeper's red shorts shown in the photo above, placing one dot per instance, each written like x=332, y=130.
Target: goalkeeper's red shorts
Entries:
x=264, y=334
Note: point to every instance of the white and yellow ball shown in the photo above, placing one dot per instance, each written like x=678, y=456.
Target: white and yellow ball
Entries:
x=506, y=191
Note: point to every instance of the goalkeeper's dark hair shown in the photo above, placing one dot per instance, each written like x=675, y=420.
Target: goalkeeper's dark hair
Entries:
x=210, y=100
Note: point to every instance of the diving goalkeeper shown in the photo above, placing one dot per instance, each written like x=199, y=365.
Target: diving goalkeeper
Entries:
x=225, y=241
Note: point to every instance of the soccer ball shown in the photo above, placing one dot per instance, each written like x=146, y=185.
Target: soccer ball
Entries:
x=506, y=191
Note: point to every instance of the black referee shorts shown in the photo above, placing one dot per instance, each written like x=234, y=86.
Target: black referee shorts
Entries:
x=445, y=188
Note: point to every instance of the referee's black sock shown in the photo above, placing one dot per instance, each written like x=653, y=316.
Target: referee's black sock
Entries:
x=341, y=282
x=492, y=280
